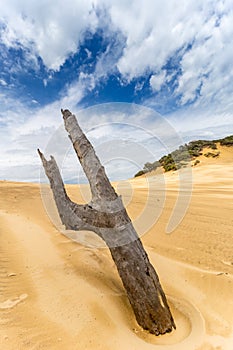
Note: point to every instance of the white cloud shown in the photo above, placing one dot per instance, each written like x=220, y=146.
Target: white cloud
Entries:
x=120, y=132
x=207, y=66
x=198, y=122
x=132, y=138
x=157, y=80
x=151, y=32
x=148, y=33
x=156, y=30
x=25, y=130
x=3, y=82
x=51, y=29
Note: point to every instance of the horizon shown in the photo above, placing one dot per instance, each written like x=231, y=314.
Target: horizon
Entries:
x=43, y=180
x=171, y=61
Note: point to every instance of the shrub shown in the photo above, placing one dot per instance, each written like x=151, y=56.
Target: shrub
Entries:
x=213, y=155
x=227, y=141
x=150, y=166
x=139, y=173
x=181, y=156
x=197, y=161
x=169, y=167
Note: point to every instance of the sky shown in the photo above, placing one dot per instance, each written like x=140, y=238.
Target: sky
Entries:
x=138, y=73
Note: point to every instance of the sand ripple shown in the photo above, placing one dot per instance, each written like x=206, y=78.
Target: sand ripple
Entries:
x=9, y=303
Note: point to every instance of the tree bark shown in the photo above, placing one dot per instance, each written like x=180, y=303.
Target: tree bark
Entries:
x=106, y=216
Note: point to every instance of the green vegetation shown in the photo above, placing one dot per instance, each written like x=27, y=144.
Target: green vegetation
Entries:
x=211, y=154
x=139, y=173
x=185, y=153
x=197, y=161
x=227, y=141
x=150, y=166
x=147, y=168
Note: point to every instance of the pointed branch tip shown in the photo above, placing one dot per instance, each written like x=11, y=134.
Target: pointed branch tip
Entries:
x=66, y=113
x=40, y=153
x=42, y=157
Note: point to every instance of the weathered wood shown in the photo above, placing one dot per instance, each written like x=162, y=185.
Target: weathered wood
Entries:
x=107, y=217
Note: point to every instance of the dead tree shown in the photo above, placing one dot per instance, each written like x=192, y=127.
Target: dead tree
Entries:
x=107, y=217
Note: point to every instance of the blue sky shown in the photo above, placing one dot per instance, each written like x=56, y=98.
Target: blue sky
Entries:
x=172, y=57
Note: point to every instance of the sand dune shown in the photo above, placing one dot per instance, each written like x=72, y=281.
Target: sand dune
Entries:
x=56, y=293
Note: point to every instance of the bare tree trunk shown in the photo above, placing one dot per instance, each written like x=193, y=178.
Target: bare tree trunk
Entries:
x=107, y=217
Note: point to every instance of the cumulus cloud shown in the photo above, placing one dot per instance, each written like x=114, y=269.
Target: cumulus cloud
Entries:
x=156, y=30
x=157, y=80
x=144, y=39
x=202, y=31
x=51, y=29
x=195, y=122
x=207, y=65
x=122, y=133
x=152, y=32
x=24, y=129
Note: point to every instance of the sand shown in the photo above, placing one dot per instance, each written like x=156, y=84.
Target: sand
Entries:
x=56, y=293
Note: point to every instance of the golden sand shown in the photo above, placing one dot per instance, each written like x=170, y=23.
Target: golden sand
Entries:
x=59, y=294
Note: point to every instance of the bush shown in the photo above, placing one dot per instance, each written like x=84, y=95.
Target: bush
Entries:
x=227, y=141
x=151, y=166
x=195, y=153
x=213, y=155
x=181, y=156
x=213, y=146
x=197, y=161
x=139, y=173
x=195, y=147
x=169, y=167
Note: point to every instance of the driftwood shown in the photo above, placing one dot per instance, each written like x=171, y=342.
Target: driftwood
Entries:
x=106, y=216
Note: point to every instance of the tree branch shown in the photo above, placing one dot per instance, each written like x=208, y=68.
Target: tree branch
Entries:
x=73, y=216
x=101, y=187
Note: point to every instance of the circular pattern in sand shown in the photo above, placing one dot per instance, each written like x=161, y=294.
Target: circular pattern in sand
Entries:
x=190, y=328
